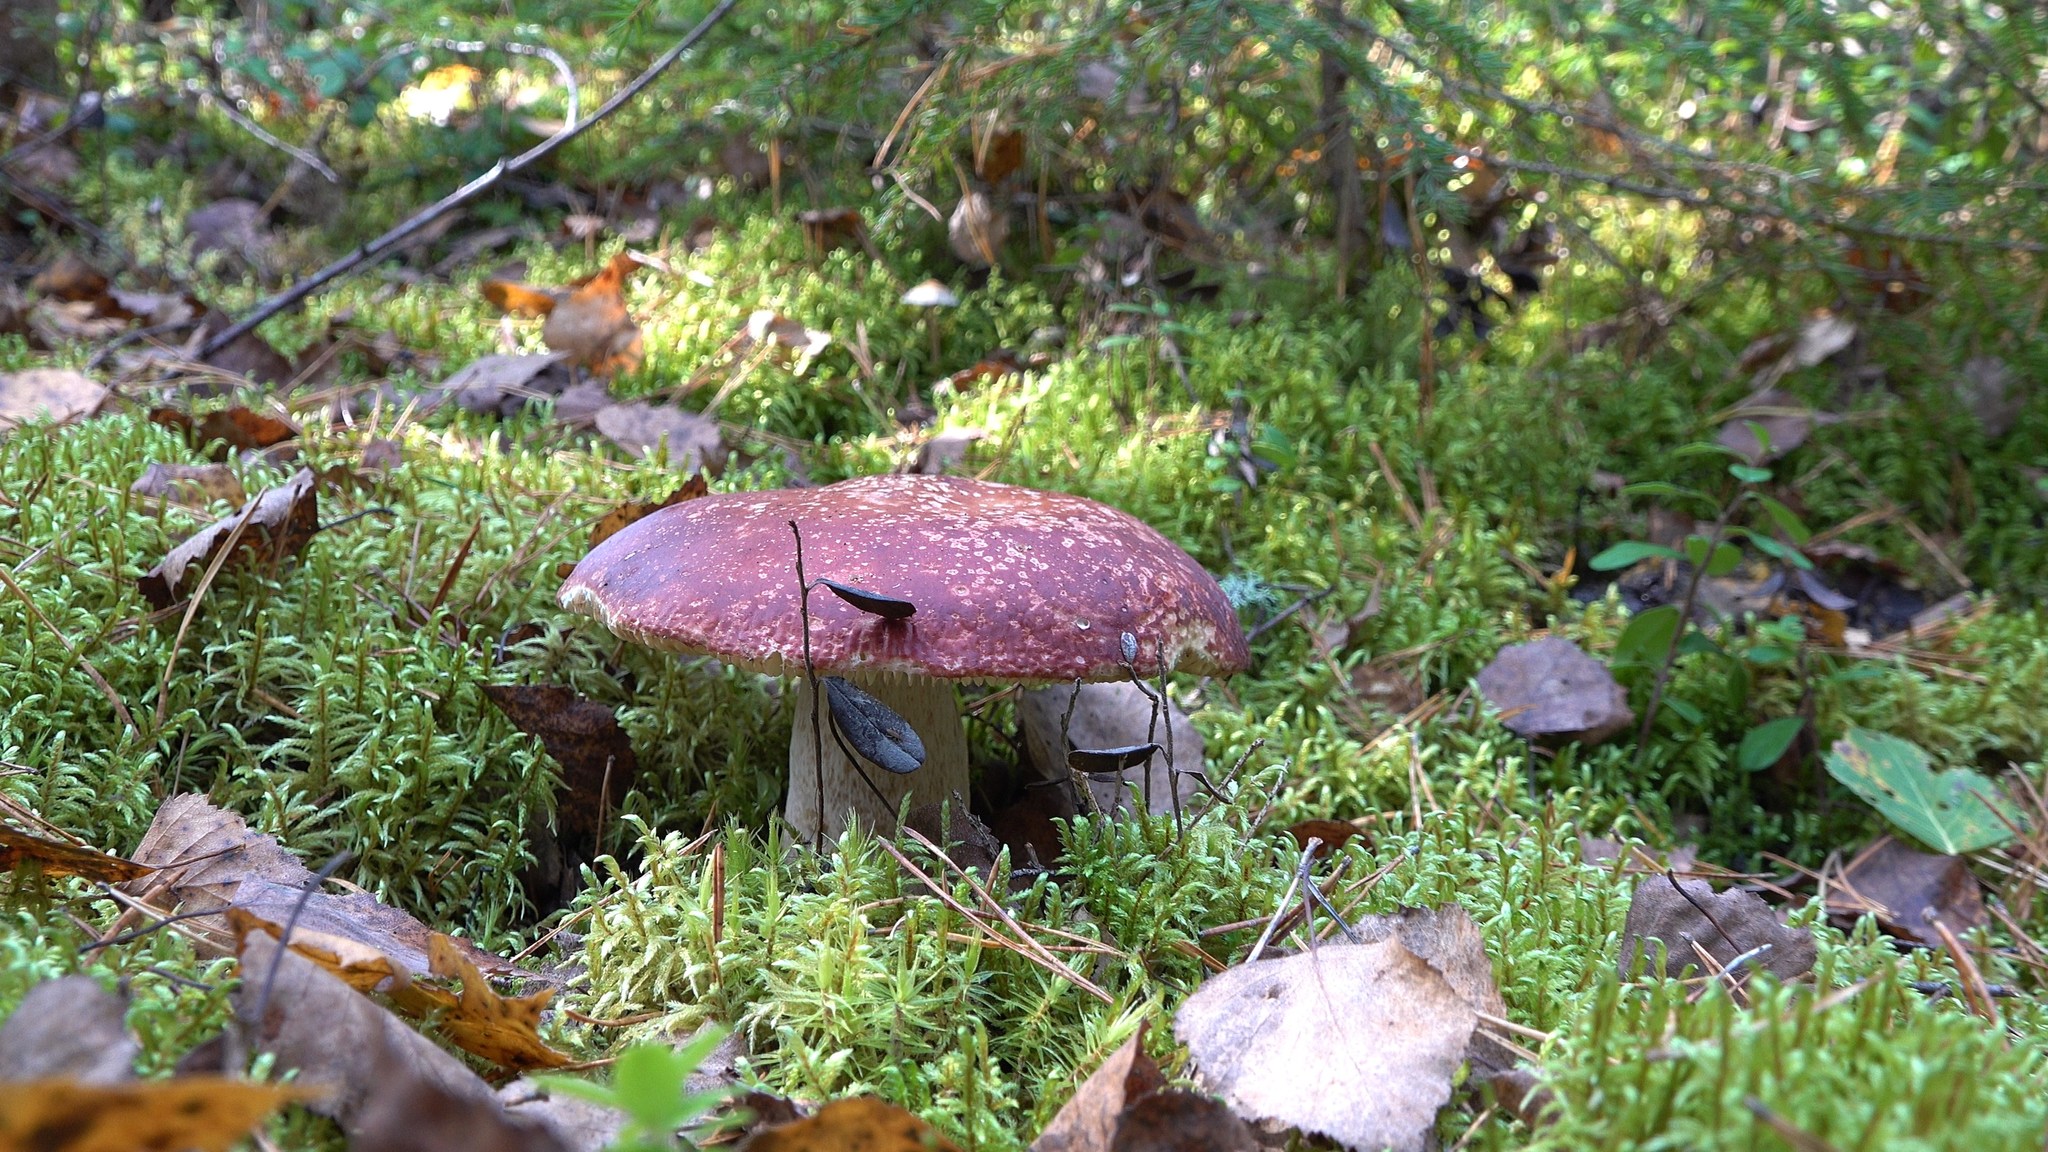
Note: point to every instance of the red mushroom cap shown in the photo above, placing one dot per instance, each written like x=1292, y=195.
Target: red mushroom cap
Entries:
x=1010, y=584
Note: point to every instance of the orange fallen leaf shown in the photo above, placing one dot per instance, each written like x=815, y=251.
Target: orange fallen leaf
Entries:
x=202, y=1113
x=588, y=321
x=860, y=1123
x=502, y=1029
x=358, y=965
x=56, y=858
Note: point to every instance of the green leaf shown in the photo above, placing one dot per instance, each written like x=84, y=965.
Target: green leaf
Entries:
x=1781, y=550
x=1684, y=710
x=1763, y=745
x=1788, y=522
x=1954, y=812
x=1768, y=654
x=1628, y=552
x=1726, y=558
x=1648, y=636
x=1749, y=474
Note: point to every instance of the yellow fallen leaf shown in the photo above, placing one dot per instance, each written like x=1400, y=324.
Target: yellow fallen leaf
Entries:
x=198, y=1113
x=502, y=1029
x=358, y=965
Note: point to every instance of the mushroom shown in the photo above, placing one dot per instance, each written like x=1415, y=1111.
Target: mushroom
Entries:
x=931, y=296
x=1009, y=585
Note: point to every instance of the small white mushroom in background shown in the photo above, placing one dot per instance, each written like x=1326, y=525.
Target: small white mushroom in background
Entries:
x=931, y=296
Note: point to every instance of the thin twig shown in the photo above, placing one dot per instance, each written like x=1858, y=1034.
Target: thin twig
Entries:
x=412, y=226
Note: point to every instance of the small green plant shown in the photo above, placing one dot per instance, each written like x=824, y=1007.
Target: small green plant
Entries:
x=1954, y=812
x=1656, y=638
x=648, y=1085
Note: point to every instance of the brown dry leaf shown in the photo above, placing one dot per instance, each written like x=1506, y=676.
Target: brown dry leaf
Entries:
x=1387, y=686
x=190, y=1113
x=55, y=322
x=276, y=524
x=1551, y=691
x=1000, y=154
x=1353, y=1042
x=340, y=1041
x=154, y=308
x=236, y=229
x=58, y=395
x=1116, y=714
x=210, y=859
x=997, y=364
x=1127, y=1107
x=854, y=1124
x=1910, y=892
x=829, y=228
x=503, y=1030
x=356, y=964
x=20, y=850
x=69, y=1027
x=1783, y=418
x=413, y=1114
x=1728, y=924
x=592, y=325
x=237, y=429
x=639, y=427
x=503, y=384
x=1447, y=940
x=584, y=737
x=248, y=355
x=1334, y=834
x=69, y=277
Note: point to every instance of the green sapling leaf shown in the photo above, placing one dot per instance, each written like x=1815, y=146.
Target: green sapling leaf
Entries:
x=1954, y=812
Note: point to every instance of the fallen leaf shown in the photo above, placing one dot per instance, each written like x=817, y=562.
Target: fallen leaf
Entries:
x=237, y=230
x=999, y=153
x=195, y=485
x=639, y=427
x=1909, y=892
x=382, y=455
x=854, y=1124
x=1954, y=812
x=277, y=523
x=55, y=322
x=1450, y=942
x=501, y=1029
x=248, y=355
x=584, y=737
x=578, y=1125
x=189, y=1113
x=634, y=511
x=1684, y=913
x=1125, y=1106
x=579, y=404
x=13, y=310
x=1784, y=420
x=1334, y=834
x=1550, y=690
x=209, y=859
x=592, y=326
x=236, y=429
x=72, y=1028
x=994, y=366
x=356, y=964
x=1117, y=714
x=1387, y=687
x=522, y=300
x=829, y=228
x=19, y=850
x=58, y=395
x=1353, y=1042
x=339, y=1040
x=69, y=277
x=503, y=384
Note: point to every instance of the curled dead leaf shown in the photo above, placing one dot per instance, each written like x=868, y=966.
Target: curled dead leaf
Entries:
x=192, y=1113
x=501, y=1029
x=276, y=524
x=19, y=850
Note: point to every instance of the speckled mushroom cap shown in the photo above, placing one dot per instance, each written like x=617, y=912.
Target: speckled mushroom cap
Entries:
x=1010, y=584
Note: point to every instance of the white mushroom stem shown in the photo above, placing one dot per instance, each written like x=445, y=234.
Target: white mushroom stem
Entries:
x=931, y=709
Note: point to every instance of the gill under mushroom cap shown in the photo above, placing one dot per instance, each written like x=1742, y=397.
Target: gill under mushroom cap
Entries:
x=1010, y=584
